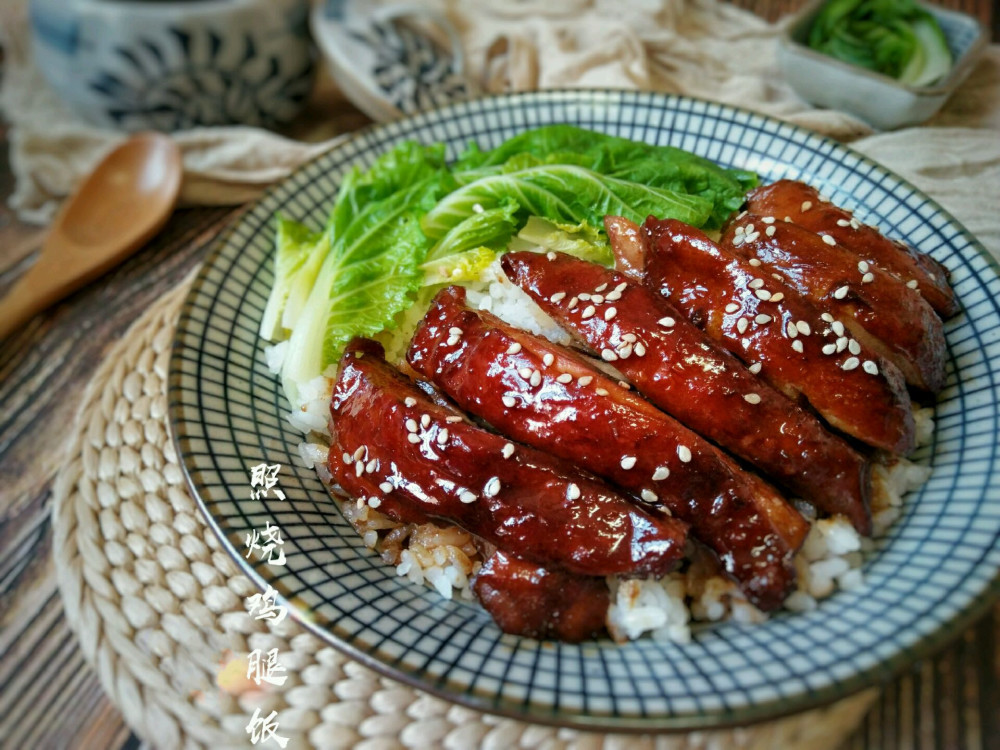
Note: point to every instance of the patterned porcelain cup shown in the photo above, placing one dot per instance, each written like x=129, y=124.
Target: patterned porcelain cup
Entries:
x=174, y=64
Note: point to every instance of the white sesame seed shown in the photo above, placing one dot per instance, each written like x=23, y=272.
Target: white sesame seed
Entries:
x=791, y=330
x=613, y=296
x=862, y=264
x=467, y=497
x=777, y=296
x=550, y=256
x=829, y=240
x=763, y=294
x=585, y=380
x=741, y=325
x=455, y=331
x=837, y=327
x=572, y=303
x=610, y=313
x=425, y=420
x=755, y=368
x=732, y=307
x=625, y=351
x=608, y=356
x=630, y=337
x=829, y=349
x=762, y=319
x=453, y=420
x=756, y=283
x=413, y=437
x=442, y=437
x=754, y=262
x=777, y=277
x=841, y=344
x=601, y=288
x=827, y=317
x=588, y=312
x=584, y=297
x=601, y=391
x=548, y=358
x=348, y=459
x=752, y=398
x=853, y=347
x=739, y=230
x=912, y=283
x=640, y=350
x=573, y=492
x=597, y=298
x=565, y=378
x=768, y=220
x=788, y=219
x=509, y=401
x=850, y=363
x=359, y=467
x=770, y=231
x=492, y=487
x=683, y=453
x=667, y=322
x=525, y=372
x=661, y=473
x=628, y=462
x=868, y=278
x=621, y=287
x=557, y=297
x=361, y=501
x=752, y=237
x=536, y=379
x=514, y=348
x=749, y=229
x=806, y=205
x=843, y=223
x=623, y=384
x=840, y=292
x=649, y=496
x=803, y=327
x=870, y=367
x=797, y=346
x=508, y=450
x=371, y=466
x=385, y=487
x=855, y=224
x=360, y=452
x=738, y=240
x=374, y=502
x=452, y=340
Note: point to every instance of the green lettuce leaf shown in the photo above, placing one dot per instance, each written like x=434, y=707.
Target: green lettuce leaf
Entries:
x=298, y=255
x=582, y=241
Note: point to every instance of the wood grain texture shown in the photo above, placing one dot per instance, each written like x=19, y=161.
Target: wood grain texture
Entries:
x=48, y=696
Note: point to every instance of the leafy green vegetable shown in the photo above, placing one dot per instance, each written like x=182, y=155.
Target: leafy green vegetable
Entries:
x=297, y=257
x=565, y=194
x=897, y=38
x=582, y=241
x=663, y=167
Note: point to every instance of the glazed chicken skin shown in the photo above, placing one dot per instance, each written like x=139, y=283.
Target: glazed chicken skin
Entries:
x=542, y=394
x=677, y=367
x=392, y=445
x=537, y=602
x=877, y=309
x=801, y=351
x=804, y=206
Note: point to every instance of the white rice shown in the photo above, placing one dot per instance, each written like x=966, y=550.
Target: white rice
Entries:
x=445, y=558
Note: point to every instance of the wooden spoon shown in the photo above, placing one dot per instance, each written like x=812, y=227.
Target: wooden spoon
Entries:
x=118, y=208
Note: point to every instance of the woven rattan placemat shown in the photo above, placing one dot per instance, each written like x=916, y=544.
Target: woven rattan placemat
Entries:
x=159, y=607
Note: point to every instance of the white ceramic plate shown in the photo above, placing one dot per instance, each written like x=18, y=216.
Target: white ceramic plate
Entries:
x=936, y=568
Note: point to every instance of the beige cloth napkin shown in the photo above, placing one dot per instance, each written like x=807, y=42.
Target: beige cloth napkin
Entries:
x=702, y=48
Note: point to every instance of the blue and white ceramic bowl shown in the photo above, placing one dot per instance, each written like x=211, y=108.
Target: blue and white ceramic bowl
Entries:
x=936, y=567
x=174, y=64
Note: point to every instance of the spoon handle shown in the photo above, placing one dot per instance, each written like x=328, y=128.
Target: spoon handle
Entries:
x=33, y=292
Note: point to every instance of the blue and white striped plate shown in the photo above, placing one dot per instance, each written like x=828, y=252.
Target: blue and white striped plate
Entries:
x=934, y=571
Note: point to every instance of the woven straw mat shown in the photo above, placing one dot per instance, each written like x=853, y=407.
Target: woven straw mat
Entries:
x=158, y=606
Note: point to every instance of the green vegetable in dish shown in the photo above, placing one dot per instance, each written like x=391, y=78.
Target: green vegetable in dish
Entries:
x=412, y=223
x=897, y=38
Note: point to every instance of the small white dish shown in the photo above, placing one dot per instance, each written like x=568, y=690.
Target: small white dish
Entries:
x=878, y=99
x=391, y=60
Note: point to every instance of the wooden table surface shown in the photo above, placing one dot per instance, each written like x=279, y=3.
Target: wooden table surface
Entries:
x=49, y=698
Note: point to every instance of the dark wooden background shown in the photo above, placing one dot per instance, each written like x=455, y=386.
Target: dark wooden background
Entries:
x=48, y=696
